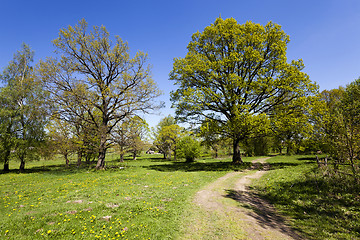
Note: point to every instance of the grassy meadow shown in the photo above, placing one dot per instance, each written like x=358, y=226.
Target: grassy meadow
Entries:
x=318, y=206
x=141, y=199
x=149, y=198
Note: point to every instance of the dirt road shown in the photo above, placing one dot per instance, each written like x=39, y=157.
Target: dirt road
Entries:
x=228, y=209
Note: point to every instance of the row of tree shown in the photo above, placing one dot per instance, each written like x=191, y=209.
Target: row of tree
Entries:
x=235, y=83
x=84, y=97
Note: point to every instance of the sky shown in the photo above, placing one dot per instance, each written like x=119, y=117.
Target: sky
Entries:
x=324, y=33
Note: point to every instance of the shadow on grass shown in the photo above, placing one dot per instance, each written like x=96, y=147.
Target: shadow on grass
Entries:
x=324, y=209
x=199, y=166
x=56, y=169
x=280, y=165
x=265, y=215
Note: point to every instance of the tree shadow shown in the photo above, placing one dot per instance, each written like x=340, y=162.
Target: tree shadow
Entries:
x=265, y=215
x=199, y=166
x=54, y=169
x=312, y=159
x=326, y=207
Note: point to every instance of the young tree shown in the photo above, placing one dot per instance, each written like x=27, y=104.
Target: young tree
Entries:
x=23, y=103
x=130, y=136
x=61, y=136
x=235, y=75
x=212, y=139
x=339, y=126
x=291, y=123
x=167, y=134
x=95, y=73
x=8, y=117
x=188, y=148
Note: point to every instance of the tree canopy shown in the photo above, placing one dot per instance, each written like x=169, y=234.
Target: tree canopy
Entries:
x=23, y=113
x=235, y=75
x=96, y=80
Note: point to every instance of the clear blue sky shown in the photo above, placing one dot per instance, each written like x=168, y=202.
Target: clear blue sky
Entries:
x=324, y=33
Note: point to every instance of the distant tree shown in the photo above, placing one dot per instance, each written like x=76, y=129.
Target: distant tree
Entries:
x=210, y=137
x=235, y=75
x=188, y=148
x=96, y=74
x=167, y=134
x=291, y=123
x=130, y=136
x=61, y=136
x=23, y=103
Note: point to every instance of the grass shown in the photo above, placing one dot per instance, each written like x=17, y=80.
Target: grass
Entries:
x=141, y=199
x=319, y=207
x=150, y=198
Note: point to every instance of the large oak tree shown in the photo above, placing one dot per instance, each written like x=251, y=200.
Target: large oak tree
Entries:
x=99, y=77
x=235, y=75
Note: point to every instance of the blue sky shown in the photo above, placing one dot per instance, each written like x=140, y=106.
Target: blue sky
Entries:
x=324, y=33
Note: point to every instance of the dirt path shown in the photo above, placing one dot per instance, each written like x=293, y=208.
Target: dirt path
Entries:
x=218, y=216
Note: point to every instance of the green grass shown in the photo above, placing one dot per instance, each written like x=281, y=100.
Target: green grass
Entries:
x=142, y=199
x=319, y=207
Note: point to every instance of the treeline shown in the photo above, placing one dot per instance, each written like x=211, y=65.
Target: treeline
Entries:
x=236, y=90
x=85, y=100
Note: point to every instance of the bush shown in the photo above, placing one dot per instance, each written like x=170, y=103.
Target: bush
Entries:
x=188, y=148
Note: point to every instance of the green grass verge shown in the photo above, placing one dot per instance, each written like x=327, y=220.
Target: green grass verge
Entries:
x=319, y=207
x=142, y=199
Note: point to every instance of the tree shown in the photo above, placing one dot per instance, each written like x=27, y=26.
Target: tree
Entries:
x=130, y=136
x=210, y=137
x=61, y=137
x=188, y=148
x=23, y=103
x=8, y=116
x=99, y=77
x=167, y=134
x=235, y=75
x=292, y=123
x=339, y=127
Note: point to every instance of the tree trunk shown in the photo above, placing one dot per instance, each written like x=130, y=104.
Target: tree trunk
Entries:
x=134, y=155
x=22, y=162
x=216, y=152
x=66, y=160
x=102, y=153
x=6, y=161
x=22, y=165
x=79, y=155
x=236, y=159
x=122, y=157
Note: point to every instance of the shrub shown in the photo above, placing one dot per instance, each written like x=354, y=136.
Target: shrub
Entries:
x=188, y=148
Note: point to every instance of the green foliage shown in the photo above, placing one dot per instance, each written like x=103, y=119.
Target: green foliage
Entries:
x=23, y=112
x=167, y=134
x=257, y=146
x=130, y=136
x=188, y=148
x=98, y=77
x=236, y=75
x=292, y=123
x=338, y=127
